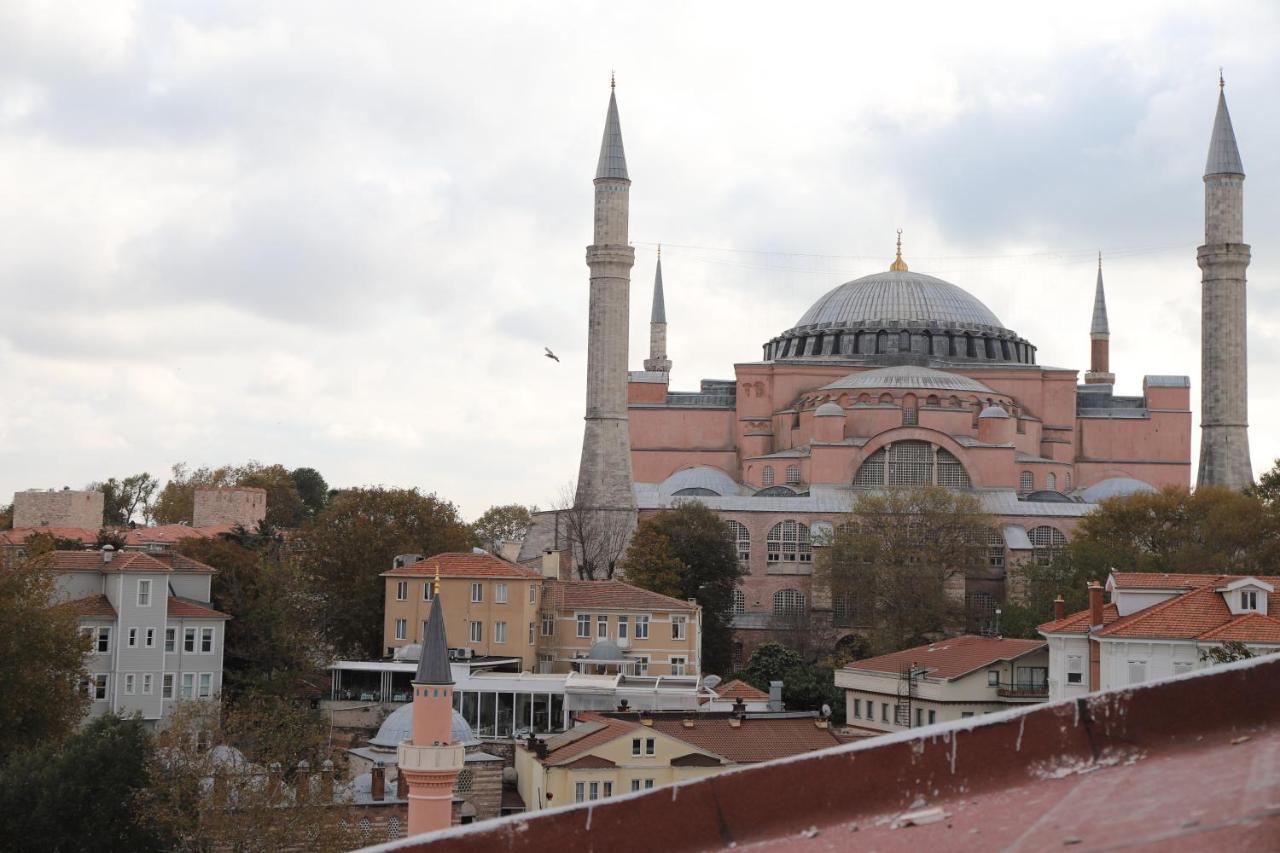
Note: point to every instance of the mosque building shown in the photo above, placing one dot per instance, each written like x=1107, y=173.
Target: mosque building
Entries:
x=899, y=379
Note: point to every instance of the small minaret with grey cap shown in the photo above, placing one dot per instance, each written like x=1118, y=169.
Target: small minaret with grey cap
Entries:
x=657, y=360
x=429, y=761
x=1223, y=259
x=1099, y=339
x=604, y=477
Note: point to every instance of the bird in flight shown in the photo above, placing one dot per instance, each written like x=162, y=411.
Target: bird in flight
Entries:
x=551, y=355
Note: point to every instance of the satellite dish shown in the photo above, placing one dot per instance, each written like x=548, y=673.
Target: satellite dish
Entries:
x=826, y=710
x=711, y=681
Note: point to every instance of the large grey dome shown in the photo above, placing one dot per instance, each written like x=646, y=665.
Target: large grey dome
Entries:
x=896, y=297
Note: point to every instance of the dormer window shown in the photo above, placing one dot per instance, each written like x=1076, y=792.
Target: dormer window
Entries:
x=1248, y=599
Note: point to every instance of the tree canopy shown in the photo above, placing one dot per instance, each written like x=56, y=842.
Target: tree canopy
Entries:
x=286, y=506
x=353, y=540
x=805, y=686
x=688, y=552
x=504, y=523
x=126, y=500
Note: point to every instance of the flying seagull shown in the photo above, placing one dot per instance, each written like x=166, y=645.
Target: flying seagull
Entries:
x=551, y=355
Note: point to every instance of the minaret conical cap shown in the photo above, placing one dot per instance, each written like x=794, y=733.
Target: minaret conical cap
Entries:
x=659, y=313
x=1099, y=325
x=613, y=161
x=433, y=665
x=1224, y=155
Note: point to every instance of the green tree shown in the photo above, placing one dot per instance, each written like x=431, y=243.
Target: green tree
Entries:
x=41, y=658
x=770, y=662
x=126, y=500
x=688, y=552
x=805, y=686
x=1231, y=650
x=505, y=523
x=353, y=540
x=6, y=516
x=901, y=559
x=81, y=794
x=285, y=507
x=1267, y=489
x=312, y=488
x=177, y=500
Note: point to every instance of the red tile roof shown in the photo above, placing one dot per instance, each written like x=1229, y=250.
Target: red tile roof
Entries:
x=185, y=608
x=739, y=689
x=609, y=595
x=1159, y=580
x=756, y=739
x=951, y=658
x=464, y=565
x=93, y=606
x=1247, y=628
x=184, y=564
x=606, y=729
x=1078, y=623
x=91, y=561
x=18, y=535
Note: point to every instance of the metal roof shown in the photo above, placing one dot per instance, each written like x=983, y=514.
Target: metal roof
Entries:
x=433, y=667
x=899, y=296
x=659, y=312
x=908, y=376
x=700, y=477
x=1224, y=155
x=1114, y=487
x=1099, y=325
x=613, y=161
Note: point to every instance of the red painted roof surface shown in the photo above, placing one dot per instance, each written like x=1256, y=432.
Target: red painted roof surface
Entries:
x=610, y=595
x=463, y=565
x=1125, y=769
x=93, y=606
x=951, y=658
x=186, y=608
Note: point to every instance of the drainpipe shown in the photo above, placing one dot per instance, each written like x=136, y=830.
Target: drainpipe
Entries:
x=1095, y=625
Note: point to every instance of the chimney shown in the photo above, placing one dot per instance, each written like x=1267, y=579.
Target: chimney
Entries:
x=540, y=749
x=775, y=695
x=623, y=706
x=378, y=783
x=739, y=707
x=735, y=722
x=551, y=564
x=108, y=553
x=1095, y=604
x=303, y=782
x=1059, y=608
x=326, y=781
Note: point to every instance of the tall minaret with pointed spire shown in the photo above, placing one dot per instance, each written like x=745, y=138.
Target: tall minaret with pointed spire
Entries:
x=429, y=760
x=1224, y=257
x=1099, y=339
x=604, y=477
x=657, y=360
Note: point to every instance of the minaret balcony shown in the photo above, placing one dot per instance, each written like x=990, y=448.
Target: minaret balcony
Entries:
x=430, y=759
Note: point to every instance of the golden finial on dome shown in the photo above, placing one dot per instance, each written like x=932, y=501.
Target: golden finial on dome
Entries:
x=898, y=265
x=1222, y=83
x=437, y=581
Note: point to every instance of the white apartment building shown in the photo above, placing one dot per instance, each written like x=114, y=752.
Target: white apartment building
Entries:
x=1157, y=625
x=155, y=639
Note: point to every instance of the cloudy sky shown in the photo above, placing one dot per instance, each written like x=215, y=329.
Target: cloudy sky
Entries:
x=340, y=235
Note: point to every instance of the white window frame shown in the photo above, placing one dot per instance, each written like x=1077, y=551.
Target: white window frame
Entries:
x=500, y=593
x=131, y=639
x=500, y=632
x=533, y=593
x=678, y=664
x=206, y=639
x=650, y=746
x=170, y=640
x=189, y=643
x=148, y=684
x=166, y=686
x=98, y=684
x=428, y=591
x=679, y=627
x=636, y=744
x=993, y=678
x=144, y=592
x=641, y=664
x=402, y=628
x=584, y=625
x=130, y=684
x=579, y=791
x=205, y=686
x=188, y=685
x=1248, y=599
x=476, y=632
x=602, y=626
x=642, y=626
x=623, y=625
x=149, y=639
x=477, y=593
x=533, y=633
x=402, y=590
x=102, y=643
x=594, y=789
x=1075, y=667
x=548, y=624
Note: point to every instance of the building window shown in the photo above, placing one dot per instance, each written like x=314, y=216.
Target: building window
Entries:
x=477, y=592
x=993, y=678
x=788, y=602
x=1047, y=543
x=1026, y=482
x=995, y=549
x=499, y=632
x=131, y=640
x=788, y=542
x=594, y=788
x=919, y=717
x=677, y=666
x=104, y=639
x=980, y=612
x=741, y=538
x=533, y=626
x=1051, y=482
x=149, y=641
x=206, y=685
x=793, y=475
x=1075, y=673
x=857, y=708
x=170, y=639
x=148, y=684
x=533, y=593
x=1066, y=482
x=678, y=627
x=739, y=602
x=402, y=590
x=602, y=627
x=188, y=685
x=206, y=641
x=650, y=746
x=401, y=628
x=1137, y=671
x=428, y=591
x=166, y=686
x=98, y=687
x=584, y=625
x=1181, y=666
x=579, y=791
x=130, y=681
x=911, y=463
x=1248, y=600
x=642, y=664
x=884, y=712
x=189, y=640
x=933, y=717
x=477, y=632
x=642, y=627
x=548, y=624
x=635, y=746
x=144, y=593
x=500, y=593
x=766, y=476
x=910, y=415
x=624, y=624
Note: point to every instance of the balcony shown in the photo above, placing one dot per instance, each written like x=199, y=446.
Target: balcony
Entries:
x=1022, y=690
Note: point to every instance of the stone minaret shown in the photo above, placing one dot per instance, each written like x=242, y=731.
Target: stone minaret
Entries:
x=604, y=477
x=657, y=360
x=1099, y=339
x=1224, y=399
x=429, y=760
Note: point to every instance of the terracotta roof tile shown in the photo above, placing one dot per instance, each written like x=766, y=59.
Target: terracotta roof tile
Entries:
x=464, y=565
x=610, y=728
x=614, y=595
x=950, y=658
x=184, y=564
x=739, y=689
x=1078, y=622
x=91, y=561
x=93, y=606
x=185, y=608
x=756, y=739
x=1247, y=628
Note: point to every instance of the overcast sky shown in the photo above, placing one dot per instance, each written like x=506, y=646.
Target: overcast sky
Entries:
x=339, y=235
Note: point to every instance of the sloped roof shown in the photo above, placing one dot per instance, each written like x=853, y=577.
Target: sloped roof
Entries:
x=754, y=739
x=614, y=595
x=187, y=609
x=433, y=662
x=183, y=564
x=463, y=565
x=1160, y=580
x=739, y=689
x=91, y=606
x=1078, y=623
x=91, y=561
x=613, y=160
x=953, y=658
x=600, y=730
x=1246, y=628
x=1224, y=154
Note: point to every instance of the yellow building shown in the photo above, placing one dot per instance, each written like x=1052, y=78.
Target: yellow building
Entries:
x=616, y=753
x=496, y=608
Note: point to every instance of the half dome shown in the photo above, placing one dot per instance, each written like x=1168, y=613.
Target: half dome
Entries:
x=908, y=376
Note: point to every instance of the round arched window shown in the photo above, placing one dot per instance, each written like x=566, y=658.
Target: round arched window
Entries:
x=912, y=463
x=788, y=542
x=787, y=602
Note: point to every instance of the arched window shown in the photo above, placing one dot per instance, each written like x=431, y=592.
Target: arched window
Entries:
x=1066, y=486
x=1026, y=482
x=1051, y=482
x=911, y=463
x=793, y=474
x=766, y=476
x=739, y=601
x=904, y=341
x=980, y=613
x=787, y=602
x=788, y=542
x=741, y=539
x=1046, y=542
x=995, y=549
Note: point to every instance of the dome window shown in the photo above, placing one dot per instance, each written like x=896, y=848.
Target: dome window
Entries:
x=766, y=476
x=793, y=474
x=1026, y=482
x=912, y=463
